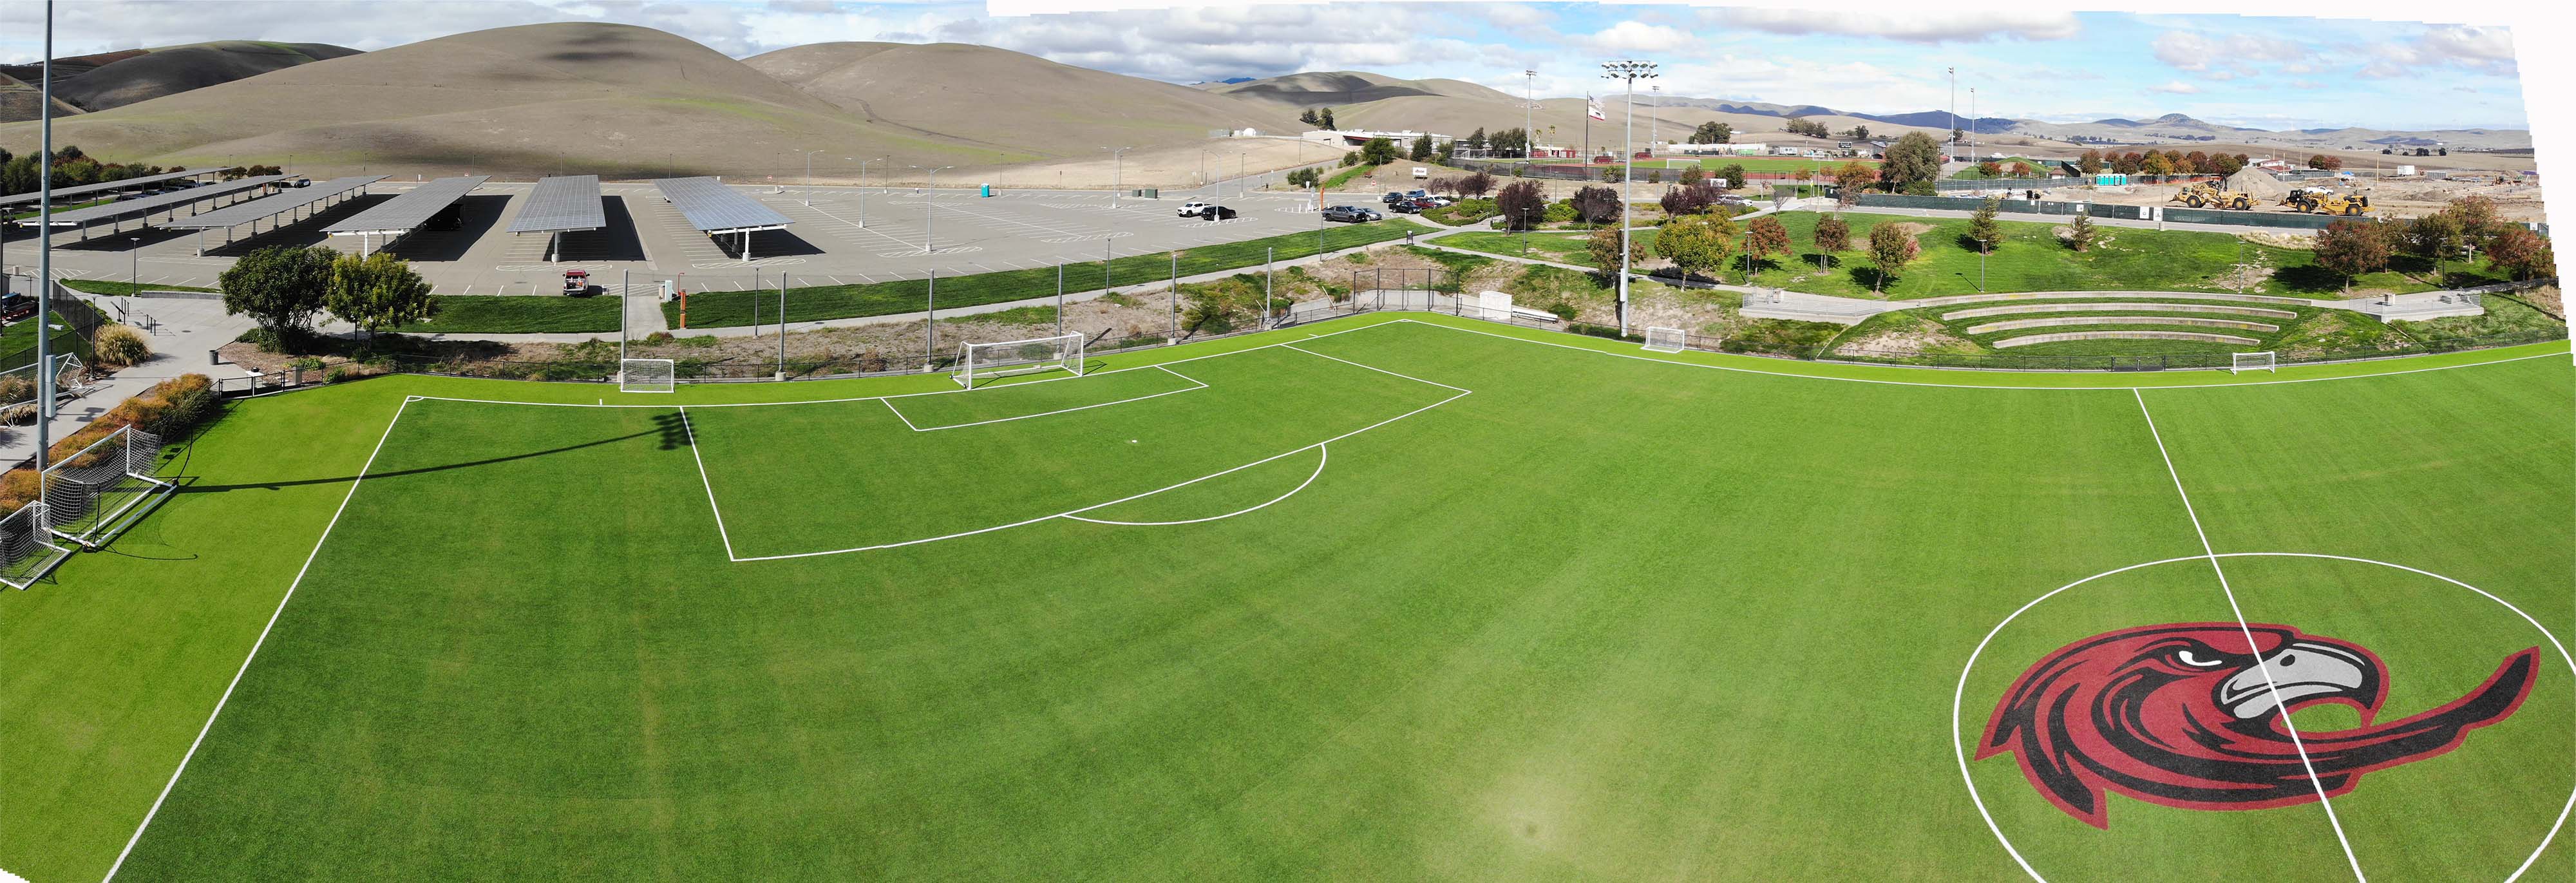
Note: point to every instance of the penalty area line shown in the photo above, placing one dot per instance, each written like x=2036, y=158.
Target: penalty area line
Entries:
x=2260, y=664
x=261, y=641
x=691, y=433
x=1194, y=386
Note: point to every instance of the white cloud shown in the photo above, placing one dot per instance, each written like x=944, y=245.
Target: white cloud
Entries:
x=2483, y=49
x=2176, y=87
x=1635, y=36
x=1964, y=27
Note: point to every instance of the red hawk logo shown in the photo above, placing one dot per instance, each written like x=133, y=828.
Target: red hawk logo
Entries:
x=2187, y=715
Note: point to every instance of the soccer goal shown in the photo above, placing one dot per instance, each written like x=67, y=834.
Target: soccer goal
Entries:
x=1666, y=340
x=2244, y=362
x=27, y=550
x=1003, y=358
x=647, y=375
x=92, y=495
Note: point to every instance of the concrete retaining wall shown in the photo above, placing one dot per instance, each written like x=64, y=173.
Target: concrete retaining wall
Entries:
x=2064, y=321
x=2258, y=312
x=2028, y=339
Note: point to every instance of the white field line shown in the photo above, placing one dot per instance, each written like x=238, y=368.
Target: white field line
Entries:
x=1371, y=367
x=261, y=640
x=935, y=392
x=1195, y=385
x=868, y=230
x=1072, y=512
x=692, y=434
x=1962, y=385
x=2278, y=707
x=1323, y=455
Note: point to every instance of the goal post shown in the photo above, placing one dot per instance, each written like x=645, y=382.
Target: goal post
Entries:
x=647, y=375
x=1660, y=339
x=2240, y=363
x=1003, y=358
x=93, y=495
x=27, y=549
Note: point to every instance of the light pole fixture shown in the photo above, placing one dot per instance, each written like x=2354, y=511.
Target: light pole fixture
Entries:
x=863, y=189
x=1630, y=71
x=929, y=202
x=1116, y=181
x=1654, y=116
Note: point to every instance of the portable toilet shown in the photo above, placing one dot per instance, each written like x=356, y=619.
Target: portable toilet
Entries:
x=988, y=190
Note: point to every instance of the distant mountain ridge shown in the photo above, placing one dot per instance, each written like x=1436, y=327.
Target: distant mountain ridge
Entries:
x=92, y=83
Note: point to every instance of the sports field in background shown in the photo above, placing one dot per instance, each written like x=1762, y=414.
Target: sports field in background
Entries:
x=1385, y=597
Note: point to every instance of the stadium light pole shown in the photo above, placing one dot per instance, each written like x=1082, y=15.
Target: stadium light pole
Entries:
x=1954, y=110
x=1116, y=180
x=1529, y=115
x=45, y=257
x=929, y=205
x=133, y=275
x=808, y=198
x=1654, y=115
x=863, y=188
x=1630, y=71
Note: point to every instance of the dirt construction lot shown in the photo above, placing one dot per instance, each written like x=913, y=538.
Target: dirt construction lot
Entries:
x=2394, y=197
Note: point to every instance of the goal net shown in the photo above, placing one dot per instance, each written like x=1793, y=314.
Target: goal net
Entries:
x=647, y=375
x=981, y=361
x=27, y=550
x=1660, y=339
x=2243, y=362
x=92, y=495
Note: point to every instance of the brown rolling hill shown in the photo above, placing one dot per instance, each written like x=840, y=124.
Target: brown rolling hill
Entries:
x=1010, y=101
x=174, y=69
x=616, y=100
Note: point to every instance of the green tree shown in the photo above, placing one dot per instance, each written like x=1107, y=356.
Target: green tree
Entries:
x=377, y=292
x=1604, y=247
x=1833, y=235
x=2351, y=249
x=2080, y=232
x=1421, y=148
x=1859, y=133
x=281, y=288
x=1890, y=249
x=1983, y=228
x=2325, y=162
x=1310, y=117
x=1913, y=163
x=1765, y=237
x=1476, y=141
x=1808, y=127
x=2435, y=236
x=1713, y=133
x=1377, y=152
x=1596, y=205
x=1327, y=117
x=1698, y=245
x=1734, y=174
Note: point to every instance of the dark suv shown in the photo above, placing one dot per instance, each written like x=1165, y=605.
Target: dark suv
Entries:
x=1391, y=198
x=1351, y=213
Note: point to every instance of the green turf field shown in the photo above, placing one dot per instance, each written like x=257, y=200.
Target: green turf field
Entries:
x=1386, y=597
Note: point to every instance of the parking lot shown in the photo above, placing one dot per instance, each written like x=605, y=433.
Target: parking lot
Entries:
x=839, y=235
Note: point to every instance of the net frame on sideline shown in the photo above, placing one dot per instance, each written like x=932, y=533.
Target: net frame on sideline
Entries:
x=1036, y=354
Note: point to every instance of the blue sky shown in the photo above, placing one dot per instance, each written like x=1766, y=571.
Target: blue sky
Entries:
x=2029, y=63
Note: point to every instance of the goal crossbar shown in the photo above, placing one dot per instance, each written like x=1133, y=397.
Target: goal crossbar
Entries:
x=27, y=549
x=93, y=495
x=1666, y=340
x=1003, y=358
x=2239, y=363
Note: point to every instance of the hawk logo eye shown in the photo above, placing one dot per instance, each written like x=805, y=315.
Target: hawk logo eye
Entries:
x=2197, y=662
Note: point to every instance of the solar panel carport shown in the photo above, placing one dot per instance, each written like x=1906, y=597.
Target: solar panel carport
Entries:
x=258, y=210
x=715, y=209
x=116, y=212
x=64, y=194
x=405, y=213
x=561, y=204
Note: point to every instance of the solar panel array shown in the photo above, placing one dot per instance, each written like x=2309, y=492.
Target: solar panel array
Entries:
x=408, y=211
x=243, y=213
x=561, y=203
x=63, y=194
x=712, y=207
x=150, y=204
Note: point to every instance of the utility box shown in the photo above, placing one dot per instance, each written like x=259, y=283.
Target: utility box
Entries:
x=987, y=190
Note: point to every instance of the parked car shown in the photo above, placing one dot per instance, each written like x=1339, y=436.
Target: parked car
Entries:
x=1391, y=198
x=1192, y=208
x=1443, y=201
x=1417, y=194
x=1410, y=206
x=1216, y=213
x=16, y=307
x=1351, y=213
x=1732, y=199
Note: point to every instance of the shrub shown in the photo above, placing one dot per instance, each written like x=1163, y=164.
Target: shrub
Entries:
x=263, y=338
x=1563, y=310
x=119, y=346
x=1603, y=331
x=14, y=388
x=339, y=373
x=1558, y=213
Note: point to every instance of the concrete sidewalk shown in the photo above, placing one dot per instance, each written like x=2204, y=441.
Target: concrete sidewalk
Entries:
x=181, y=331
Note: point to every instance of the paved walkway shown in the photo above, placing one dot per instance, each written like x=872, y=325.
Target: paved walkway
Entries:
x=181, y=332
